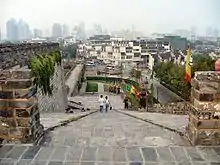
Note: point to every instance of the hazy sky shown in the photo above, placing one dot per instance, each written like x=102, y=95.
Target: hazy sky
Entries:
x=145, y=15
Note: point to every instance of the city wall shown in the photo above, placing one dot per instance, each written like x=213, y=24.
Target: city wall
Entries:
x=18, y=55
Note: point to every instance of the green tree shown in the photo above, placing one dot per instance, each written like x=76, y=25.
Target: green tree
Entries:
x=70, y=51
x=136, y=74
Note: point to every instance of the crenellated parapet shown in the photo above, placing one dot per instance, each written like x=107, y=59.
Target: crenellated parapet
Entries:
x=19, y=54
x=204, y=117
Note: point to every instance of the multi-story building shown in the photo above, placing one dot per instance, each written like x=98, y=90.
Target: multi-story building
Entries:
x=139, y=53
x=12, y=30
x=57, y=30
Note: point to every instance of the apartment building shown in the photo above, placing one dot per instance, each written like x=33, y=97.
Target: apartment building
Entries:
x=129, y=52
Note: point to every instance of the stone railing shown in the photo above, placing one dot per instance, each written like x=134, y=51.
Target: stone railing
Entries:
x=177, y=108
x=19, y=54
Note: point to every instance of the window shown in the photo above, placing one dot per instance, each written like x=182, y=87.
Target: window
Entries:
x=136, y=54
x=129, y=57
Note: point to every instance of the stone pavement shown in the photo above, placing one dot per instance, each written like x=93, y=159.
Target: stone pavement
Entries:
x=71, y=82
x=49, y=120
x=110, y=139
x=91, y=100
x=176, y=122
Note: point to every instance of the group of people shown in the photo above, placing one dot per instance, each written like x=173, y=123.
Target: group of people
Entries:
x=114, y=89
x=104, y=104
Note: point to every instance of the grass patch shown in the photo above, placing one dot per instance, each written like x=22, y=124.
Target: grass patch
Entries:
x=91, y=87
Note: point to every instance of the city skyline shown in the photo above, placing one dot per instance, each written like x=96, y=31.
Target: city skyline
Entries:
x=147, y=16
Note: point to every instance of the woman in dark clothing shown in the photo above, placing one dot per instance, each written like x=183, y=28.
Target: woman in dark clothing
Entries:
x=143, y=98
x=126, y=102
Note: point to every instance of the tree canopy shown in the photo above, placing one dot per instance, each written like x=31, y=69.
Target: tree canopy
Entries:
x=172, y=74
x=70, y=51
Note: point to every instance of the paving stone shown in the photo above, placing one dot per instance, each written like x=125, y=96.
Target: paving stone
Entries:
x=184, y=163
x=120, y=163
x=24, y=162
x=151, y=163
x=7, y=161
x=209, y=154
x=167, y=163
x=89, y=154
x=71, y=163
x=119, y=155
x=55, y=163
x=83, y=142
x=135, y=163
x=179, y=154
x=4, y=150
x=39, y=163
x=87, y=163
x=149, y=154
x=69, y=141
x=73, y=154
x=31, y=152
x=194, y=154
x=44, y=154
x=217, y=150
x=59, y=154
x=200, y=163
x=105, y=154
x=103, y=163
x=215, y=163
x=164, y=154
x=16, y=152
x=134, y=155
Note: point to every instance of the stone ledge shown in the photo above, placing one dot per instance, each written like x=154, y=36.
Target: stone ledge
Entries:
x=179, y=132
x=63, y=123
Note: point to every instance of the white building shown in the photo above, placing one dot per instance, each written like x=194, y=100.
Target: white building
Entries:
x=125, y=52
x=69, y=40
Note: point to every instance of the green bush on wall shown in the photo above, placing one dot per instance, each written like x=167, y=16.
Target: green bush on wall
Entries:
x=42, y=69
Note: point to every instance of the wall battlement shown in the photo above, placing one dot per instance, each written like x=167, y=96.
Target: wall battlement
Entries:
x=19, y=54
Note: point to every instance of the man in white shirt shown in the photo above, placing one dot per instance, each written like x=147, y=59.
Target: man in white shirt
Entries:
x=101, y=103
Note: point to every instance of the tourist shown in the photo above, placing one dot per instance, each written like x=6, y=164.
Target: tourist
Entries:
x=118, y=90
x=143, y=98
x=107, y=103
x=101, y=103
x=126, y=102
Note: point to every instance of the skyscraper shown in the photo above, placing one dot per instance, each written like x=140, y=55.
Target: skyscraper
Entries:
x=23, y=30
x=57, y=30
x=12, y=30
x=65, y=30
x=81, y=31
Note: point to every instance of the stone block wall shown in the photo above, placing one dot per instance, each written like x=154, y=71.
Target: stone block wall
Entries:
x=177, y=108
x=57, y=102
x=19, y=114
x=204, y=119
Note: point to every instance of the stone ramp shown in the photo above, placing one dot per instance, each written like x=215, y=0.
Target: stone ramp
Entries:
x=75, y=155
x=175, y=122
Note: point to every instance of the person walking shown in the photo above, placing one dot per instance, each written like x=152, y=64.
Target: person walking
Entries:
x=107, y=104
x=126, y=102
x=101, y=103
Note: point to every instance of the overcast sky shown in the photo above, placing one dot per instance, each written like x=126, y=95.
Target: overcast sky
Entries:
x=145, y=15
